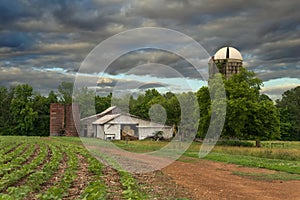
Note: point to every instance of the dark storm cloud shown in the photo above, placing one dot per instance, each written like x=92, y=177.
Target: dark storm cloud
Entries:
x=80, y=14
x=39, y=80
x=152, y=85
x=60, y=33
x=16, y=40
x=143, y=62
x=106, y=86
x=10, y=11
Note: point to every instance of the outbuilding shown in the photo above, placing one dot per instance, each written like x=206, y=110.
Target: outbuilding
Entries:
x=112, y=124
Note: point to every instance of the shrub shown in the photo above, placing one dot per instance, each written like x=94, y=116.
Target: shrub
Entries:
x=238, y=143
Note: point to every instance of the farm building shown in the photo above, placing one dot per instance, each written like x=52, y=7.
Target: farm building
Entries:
x=87, y=122
x=112, y=124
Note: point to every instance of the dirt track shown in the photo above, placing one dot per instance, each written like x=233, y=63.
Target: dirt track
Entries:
x=210, y=180
x=214, y=180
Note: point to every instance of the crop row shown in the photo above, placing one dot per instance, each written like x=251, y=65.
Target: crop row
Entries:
x=28, y=165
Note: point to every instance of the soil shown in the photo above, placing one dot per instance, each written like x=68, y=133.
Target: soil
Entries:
x=111, y=177
x=160, y=186
x=53, y=180
x=81, y=181
x=214, y=180
x=202, y=179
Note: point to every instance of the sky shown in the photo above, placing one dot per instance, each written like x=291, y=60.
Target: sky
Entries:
x=43, y=42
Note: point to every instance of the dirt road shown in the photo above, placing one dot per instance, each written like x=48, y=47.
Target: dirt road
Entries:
x=213, y=180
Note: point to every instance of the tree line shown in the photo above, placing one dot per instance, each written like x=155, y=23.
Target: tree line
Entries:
x=249, y=114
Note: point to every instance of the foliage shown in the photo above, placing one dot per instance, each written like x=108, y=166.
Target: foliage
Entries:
x=86, y=99
x=29, y=162
x=65, y=90
x=22, y=110
x=249, y=115
x=102, y=103
x=131, y=190
x=204, y=102
x=235, y=143
x=289, y=108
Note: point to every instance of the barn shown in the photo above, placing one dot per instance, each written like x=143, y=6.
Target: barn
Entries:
x=112, y=124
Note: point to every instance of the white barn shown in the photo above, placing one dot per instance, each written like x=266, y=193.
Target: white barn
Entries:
x=114, y=125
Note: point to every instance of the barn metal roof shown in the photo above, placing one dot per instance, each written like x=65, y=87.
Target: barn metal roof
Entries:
x=106, y=119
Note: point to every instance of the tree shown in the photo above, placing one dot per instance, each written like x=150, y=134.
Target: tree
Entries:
x=86, y=99
x=4, y=110
x=263, y=122
x=140, y=106
x=102, y=103
x=249, y=115
x=289, y=108
x=189, y=116
x=22, y=110
x=41, y=105
x=172, y=107
x=65, y=90
x=204, y=102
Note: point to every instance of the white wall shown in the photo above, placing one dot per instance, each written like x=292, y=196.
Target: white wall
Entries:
x=145, y=128
x=90, y=127
x=112, y=130
x=149, y=131
x=98, y=129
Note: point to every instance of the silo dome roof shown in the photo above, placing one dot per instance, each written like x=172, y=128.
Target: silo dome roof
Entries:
x=228, y=52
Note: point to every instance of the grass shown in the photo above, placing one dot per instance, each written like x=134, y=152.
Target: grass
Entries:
x=140, y=146
x=282, y=176
x=251, y=161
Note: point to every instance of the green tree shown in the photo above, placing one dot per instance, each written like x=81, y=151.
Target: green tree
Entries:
x=289, y=108
x=65, y=90
x=204, y=102
x=247, y=111
x=263, y=122
x=41, y=105
x=102, y=103
x=5, y=100
x=22, y=110
x=86, y=99
x=189, y=116
x=172, y=107
x=140, y=106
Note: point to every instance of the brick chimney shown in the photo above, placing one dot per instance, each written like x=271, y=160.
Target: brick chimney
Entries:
x=57, y=118
x=72, y=119
x=62, y=119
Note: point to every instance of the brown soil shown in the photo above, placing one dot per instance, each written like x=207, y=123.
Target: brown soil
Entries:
x=111, y=177
x=82, y=179
x=33, y=155
x=12, y=149
x=23, y=180
x=160, y=186
x=53, y=180
x=214, y=180
x=205, y=179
